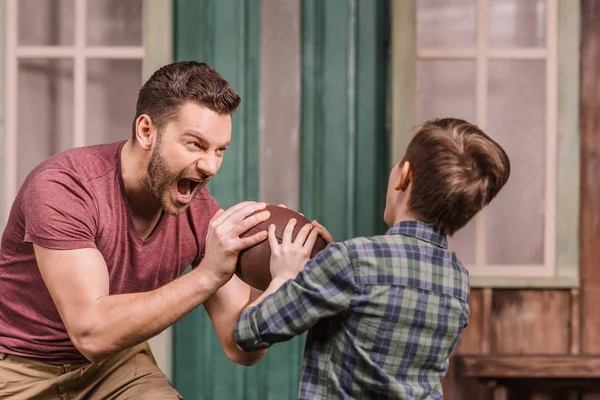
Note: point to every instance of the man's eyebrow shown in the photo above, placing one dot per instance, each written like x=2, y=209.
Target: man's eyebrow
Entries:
x=200, y=136
x=196, y=134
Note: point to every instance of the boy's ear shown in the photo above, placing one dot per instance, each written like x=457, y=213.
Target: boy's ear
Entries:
x=405, y=176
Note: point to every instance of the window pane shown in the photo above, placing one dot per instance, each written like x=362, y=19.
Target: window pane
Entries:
x=516, y=119
x=112, y=91
x=446, y=23
x=46, y=22
x=447, y=89
x=114, y=23
x=45, y=111
x=517, y=23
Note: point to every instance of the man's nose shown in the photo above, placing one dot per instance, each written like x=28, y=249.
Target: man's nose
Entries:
x=208, y=165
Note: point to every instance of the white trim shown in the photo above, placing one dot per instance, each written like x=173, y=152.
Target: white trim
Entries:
x=481, y=97
x=10, y=104
x=157, y=42
x=517, y=271
x=452, y=54
x=460, y=54
x=80, y=74
x=103, y=52
x=551, y=135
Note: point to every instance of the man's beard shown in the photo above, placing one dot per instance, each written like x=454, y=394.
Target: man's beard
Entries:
x=161, y=183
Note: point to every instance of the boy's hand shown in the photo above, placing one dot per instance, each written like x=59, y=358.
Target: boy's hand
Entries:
x=289, y=257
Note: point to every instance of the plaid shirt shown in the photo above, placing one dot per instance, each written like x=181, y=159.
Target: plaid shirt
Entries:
x=383, y=315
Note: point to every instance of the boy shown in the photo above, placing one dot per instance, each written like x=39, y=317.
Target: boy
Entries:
x=384, y=312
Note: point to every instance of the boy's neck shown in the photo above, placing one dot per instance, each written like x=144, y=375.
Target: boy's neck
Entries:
x=405, y=217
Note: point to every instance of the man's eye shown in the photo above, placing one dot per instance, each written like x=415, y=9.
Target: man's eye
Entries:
x=195, y=144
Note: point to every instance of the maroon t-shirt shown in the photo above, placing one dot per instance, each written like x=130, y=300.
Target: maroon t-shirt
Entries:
x=77, y=200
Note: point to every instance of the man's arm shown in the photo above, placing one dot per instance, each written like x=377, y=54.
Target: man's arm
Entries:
x=224, y=308
x=290, y=307
x=100, y=324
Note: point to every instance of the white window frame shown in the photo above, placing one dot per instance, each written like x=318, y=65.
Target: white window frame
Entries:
x=405, y=54
x=156, y=50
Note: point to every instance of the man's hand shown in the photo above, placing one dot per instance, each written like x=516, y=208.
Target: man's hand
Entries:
x=323, y=232
x=223, y=242
x=289, y=257
x=320, y=228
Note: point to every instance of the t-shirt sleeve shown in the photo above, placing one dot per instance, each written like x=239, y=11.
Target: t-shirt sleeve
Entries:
x=60, y=211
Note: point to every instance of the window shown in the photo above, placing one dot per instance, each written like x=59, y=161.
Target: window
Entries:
x=72, y=72
x=71, y=75
x=496, y=63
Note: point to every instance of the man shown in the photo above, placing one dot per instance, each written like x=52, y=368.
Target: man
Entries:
x=97, y=239
x=384, y=312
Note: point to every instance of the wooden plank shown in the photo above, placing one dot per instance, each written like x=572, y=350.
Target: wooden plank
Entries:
x=530, y=391
x=530, y=366
x=590, y=184
x=456, y=386
x=472, y=337
x=501, y=393
x=575, y=332
x=486, y=320
x=530, y=316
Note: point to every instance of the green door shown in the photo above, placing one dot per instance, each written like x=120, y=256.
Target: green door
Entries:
x=343, y=151
x=345, y=159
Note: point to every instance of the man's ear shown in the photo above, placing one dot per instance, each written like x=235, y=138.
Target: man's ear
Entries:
x=143, y=131
x=405, y=175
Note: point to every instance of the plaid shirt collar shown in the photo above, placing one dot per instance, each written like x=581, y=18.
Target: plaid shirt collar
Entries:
x=419, y=230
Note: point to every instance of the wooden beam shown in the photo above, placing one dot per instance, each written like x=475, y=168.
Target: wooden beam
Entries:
x=575, y=322
x=527, y=367
x=589, y=123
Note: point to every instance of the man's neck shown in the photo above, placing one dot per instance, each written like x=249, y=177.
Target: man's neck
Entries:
x=133, y=166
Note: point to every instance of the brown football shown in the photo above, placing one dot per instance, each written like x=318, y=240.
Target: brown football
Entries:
x=253, y=263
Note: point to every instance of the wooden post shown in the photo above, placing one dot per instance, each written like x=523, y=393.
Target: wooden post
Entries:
x=590, y=183
x=589, y=124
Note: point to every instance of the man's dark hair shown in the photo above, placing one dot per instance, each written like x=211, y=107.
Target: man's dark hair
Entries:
x=178, y=83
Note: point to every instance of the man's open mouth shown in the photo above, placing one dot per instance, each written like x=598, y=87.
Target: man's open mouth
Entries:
x=186, y=186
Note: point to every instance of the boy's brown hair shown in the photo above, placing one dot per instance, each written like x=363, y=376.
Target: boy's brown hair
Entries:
x=456, y=170
x=177, y=83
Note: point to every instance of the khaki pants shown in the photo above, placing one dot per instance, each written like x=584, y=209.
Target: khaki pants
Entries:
x=129, y=374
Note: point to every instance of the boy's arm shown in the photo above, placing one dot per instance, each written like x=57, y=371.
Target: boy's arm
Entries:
x=288, y=308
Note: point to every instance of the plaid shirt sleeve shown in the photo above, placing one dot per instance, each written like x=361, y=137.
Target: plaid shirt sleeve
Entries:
x=324, y=288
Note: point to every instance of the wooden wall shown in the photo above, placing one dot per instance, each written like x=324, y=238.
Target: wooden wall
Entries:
x=548, y=322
